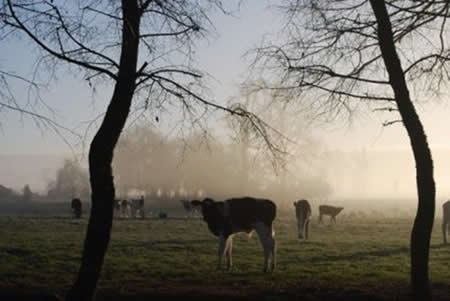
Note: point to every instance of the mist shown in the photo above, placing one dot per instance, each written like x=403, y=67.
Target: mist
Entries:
x=235, y=163
x=148, y=163
x=195, y=167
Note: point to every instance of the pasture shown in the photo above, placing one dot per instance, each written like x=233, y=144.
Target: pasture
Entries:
x=356, y=259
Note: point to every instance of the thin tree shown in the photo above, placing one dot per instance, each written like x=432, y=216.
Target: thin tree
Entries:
x=423, y=224
x=144, y=47
x=339, y=57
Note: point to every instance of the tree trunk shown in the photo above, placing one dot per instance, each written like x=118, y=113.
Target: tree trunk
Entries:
x=100, y=159
x=423, y=224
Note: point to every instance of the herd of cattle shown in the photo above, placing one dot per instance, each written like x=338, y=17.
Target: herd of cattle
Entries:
x=247, y=214
x=122, y=208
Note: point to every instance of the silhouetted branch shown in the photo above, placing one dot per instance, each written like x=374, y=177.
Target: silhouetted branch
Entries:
x=329, y=51
x=388, y=123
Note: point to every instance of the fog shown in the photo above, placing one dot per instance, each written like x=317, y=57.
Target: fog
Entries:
x=323, y=166
x=165, y=169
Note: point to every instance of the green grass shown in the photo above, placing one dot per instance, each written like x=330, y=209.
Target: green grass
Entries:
x=356, y=257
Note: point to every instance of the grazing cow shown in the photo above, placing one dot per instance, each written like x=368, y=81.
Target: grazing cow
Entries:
x=445, y=219
x=303, y=214
x=124, y=208
x=137, y=205
x=76, y=208
x=236, y=215
x=329, y=210
x=190, y=208
x=117, y=207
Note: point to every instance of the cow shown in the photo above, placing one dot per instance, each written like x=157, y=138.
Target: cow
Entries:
x=190, y=208
x=303, y=215
x=76, y=208
x=237, y=215
x=445, y=219
x=137, y=205
x=117, y=207
x=124, y=208
x=329, y=210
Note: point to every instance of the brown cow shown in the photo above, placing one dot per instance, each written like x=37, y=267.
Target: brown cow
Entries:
x=303, y=215
x=236, y=215
x=332, y=211
x=445, y=219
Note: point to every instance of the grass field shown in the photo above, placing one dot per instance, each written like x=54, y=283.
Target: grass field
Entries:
x=356, y=259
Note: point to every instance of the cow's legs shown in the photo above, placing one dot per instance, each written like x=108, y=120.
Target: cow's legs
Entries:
x=300, y=229
x=228, y=251
x=274, y=248
x=268, y=244
x=444, y=231
x=307, y=229
x=222, y=242
x=320, y=218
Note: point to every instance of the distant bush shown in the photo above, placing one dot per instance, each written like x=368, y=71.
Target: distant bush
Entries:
x=7, y=194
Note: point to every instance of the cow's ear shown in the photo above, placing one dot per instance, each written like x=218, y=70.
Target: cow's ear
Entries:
x=196, y=203
x=295, y=203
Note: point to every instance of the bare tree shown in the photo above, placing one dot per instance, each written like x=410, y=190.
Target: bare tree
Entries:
x=71, y=180
x=423, y=224
x=300, y=150
x=107, y=40
x=343, y=56
x=144, y=48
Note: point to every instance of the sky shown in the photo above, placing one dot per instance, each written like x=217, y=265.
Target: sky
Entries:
x=73, y=102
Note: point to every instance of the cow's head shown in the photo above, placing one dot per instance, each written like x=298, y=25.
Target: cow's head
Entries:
x=197, y=206
x=339, y=209
x=208, y=206
x=303, y=214
x=211, y=212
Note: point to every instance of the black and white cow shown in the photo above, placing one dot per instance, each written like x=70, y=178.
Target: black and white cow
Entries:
x=236, y=215
x=303, y=215
x=332, y=211
x=445, y=219
x=76, y=208
x=137, y=206
x=190, y=208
